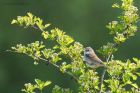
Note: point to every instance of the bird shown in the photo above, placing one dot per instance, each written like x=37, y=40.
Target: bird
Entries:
x=91, y=59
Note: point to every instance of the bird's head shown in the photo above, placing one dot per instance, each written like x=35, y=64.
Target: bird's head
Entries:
x=88, y=49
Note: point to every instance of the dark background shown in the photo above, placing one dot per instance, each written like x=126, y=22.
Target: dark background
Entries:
x=84, y=20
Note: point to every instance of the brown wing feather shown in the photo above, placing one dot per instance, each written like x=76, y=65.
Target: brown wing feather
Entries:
x=95, y=58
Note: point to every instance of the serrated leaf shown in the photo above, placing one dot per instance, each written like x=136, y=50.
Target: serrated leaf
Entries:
x=47, y=83
x=47, y=25
x=38, y=81
x=135, y=59
x=14, y=21
x=135, y=85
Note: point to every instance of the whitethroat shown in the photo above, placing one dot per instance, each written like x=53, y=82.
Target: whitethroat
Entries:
x=92, y=59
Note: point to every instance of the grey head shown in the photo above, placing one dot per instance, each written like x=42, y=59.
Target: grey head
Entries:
x=90, y=54
x=87, y=49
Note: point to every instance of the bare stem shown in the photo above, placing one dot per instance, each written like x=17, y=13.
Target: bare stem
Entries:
x=69, y=73
x=103, y=74
x=35, y=27
x=102, y=79
x=55, y=65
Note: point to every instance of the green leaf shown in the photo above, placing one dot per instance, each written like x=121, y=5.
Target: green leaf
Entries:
x=58, y=89
x=134, y=77
x=47, y=25
x=47, y=83
x=135, y=86
x=116, y=5
x=14, y=21
x=108, y=49
x=41, y=84
x=38, y=81
x=120, y=38
x=45, y=34
x=136, y=60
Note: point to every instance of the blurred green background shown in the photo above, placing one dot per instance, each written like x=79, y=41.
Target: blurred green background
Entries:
x=84, y=20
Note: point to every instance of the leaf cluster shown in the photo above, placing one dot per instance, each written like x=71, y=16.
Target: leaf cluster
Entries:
x=119, y=74
x=39, y=85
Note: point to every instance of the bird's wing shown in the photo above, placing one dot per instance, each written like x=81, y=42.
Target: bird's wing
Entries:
x=93, y=57
x=98, y=60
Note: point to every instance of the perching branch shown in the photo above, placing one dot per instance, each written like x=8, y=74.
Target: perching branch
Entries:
x=103, y=75
x=102, y=79
x=107, y=60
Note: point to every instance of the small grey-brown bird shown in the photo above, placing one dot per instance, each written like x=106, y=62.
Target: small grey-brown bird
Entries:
x=91, y=58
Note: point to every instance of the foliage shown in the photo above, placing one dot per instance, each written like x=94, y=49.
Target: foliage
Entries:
x=119, y=74
x=30, y=88
x=58, y=89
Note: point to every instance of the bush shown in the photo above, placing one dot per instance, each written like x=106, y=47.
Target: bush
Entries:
x=119, y=74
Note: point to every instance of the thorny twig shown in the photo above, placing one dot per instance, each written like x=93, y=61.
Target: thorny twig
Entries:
x=55, y=65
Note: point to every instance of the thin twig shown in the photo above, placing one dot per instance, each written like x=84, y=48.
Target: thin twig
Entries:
x=102, y=79
x=48, y=62
x=69, y=73
x=107, y=60
x=35, y=27
x=103, y=75
x=55, y=65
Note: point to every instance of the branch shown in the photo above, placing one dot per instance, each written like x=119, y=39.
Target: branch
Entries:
x=55, y=65
x=69, y=73
x=107, y=60
x=35, y=27
x=115, y=45
x=103, y=75
x=102, y=79
x=124, y=33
